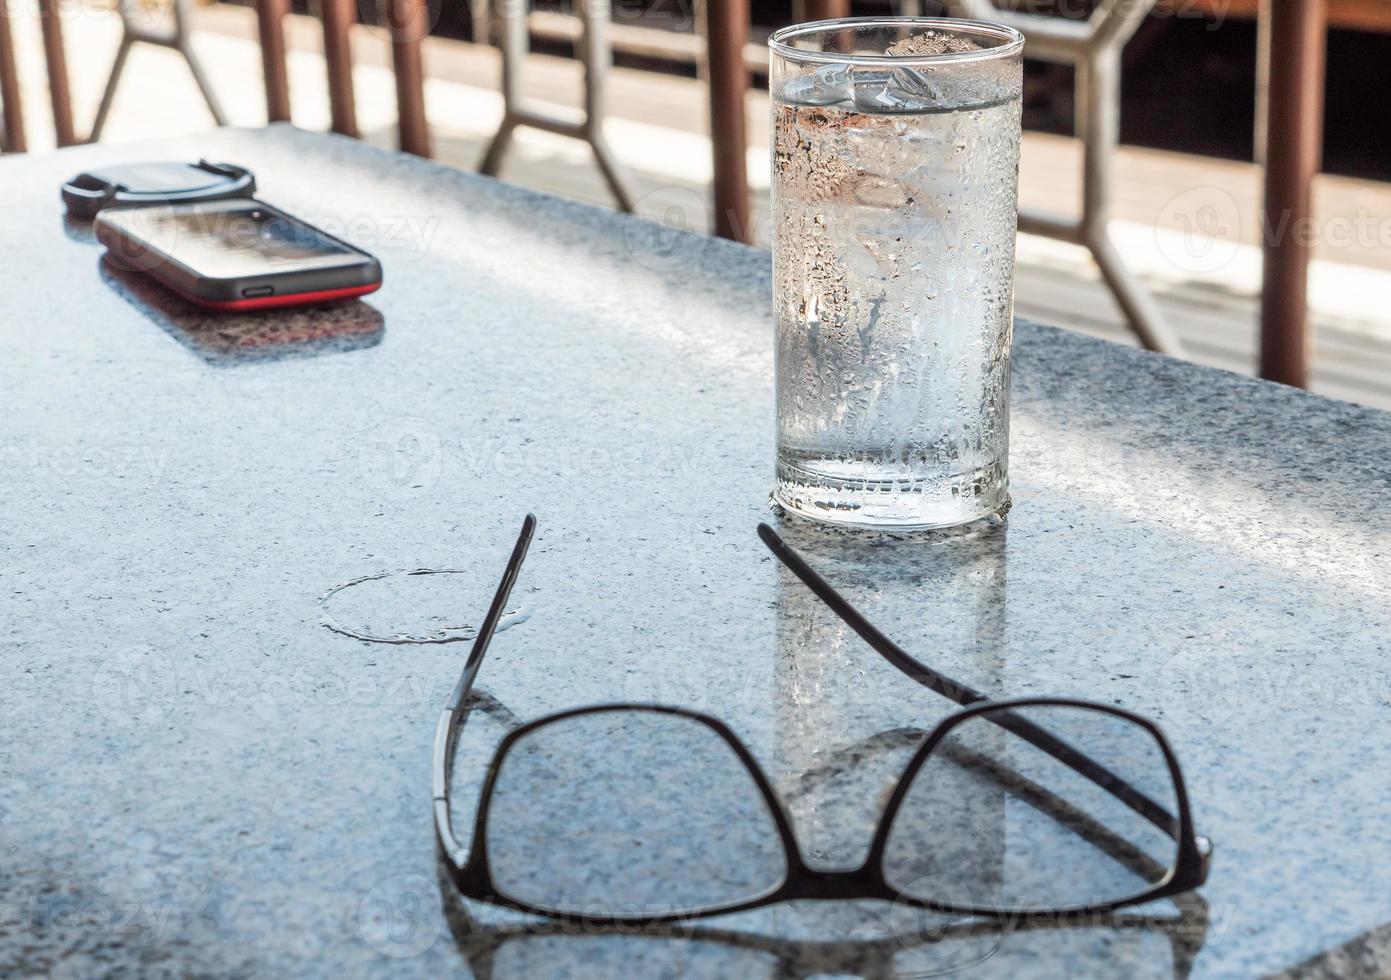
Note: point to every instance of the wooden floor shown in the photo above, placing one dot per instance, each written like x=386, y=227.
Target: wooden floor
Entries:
x=1187, y=224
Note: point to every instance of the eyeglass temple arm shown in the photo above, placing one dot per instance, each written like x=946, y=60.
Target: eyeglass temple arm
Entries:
x=963, y=695
x=454, y=715
x=495, y=611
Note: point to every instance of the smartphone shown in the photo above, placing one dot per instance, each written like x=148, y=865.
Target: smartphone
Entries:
x=236, y=254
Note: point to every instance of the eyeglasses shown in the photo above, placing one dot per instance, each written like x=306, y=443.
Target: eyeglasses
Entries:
x=619, y=814
x=875, y=943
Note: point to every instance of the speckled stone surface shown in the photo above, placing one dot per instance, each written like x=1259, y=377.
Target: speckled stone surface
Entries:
x=198, y=778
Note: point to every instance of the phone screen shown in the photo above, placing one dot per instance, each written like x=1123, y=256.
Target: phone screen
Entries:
x=233, y=239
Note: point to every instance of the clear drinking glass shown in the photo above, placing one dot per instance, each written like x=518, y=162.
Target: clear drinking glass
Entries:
x=895, y=199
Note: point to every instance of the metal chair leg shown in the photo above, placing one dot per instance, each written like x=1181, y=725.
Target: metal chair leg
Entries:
x=614, y=174
x=183, y=43
x=108, y=95
x=1134, y=299
x=200, y=78
x=597, y=55
x=497, y=148
x=1093, y=48
x=1099, y=117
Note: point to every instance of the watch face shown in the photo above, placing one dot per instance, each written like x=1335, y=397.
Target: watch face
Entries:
x=154, y=183
x=162, y=178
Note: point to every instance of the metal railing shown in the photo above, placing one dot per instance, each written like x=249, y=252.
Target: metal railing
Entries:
x=12, y=138
x=407, y=23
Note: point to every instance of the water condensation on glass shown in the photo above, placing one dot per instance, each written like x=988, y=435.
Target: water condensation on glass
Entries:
x=895, y=209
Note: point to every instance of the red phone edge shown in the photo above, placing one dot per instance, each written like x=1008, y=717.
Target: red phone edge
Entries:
x=288, y=299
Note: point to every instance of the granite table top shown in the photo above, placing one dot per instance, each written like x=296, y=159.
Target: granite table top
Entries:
x=200, y=776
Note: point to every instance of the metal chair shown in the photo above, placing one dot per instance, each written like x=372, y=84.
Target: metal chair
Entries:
x=1093, y=47
x=588, y=124
x=133, y=32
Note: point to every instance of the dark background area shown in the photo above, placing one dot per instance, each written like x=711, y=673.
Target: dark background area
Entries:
x=1189, y=88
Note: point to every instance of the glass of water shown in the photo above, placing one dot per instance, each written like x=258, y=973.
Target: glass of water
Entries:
x=895, y=200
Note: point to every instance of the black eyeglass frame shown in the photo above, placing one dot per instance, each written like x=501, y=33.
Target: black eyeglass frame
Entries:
x=469, y=868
